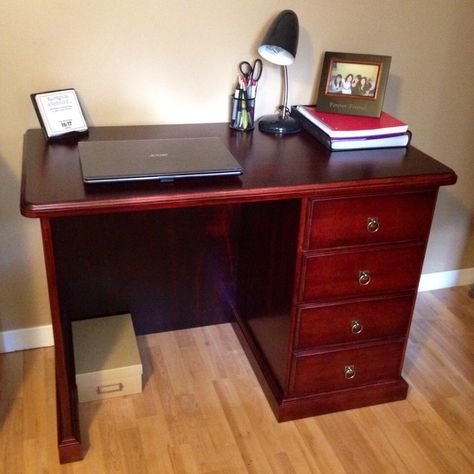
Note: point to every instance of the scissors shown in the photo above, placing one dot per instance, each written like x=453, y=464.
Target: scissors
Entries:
x=251, y=74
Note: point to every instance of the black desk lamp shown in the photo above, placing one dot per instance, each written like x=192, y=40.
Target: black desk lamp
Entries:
x=279, y=47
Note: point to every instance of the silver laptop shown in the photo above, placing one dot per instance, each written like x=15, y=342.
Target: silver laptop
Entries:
x=160, y=159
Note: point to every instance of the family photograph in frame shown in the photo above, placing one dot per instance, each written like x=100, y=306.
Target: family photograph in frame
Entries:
x=353, y=84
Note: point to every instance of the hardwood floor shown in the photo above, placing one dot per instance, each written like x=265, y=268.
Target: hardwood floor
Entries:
x=203, y=411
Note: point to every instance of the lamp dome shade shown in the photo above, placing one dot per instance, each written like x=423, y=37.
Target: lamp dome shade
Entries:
x=281, y=41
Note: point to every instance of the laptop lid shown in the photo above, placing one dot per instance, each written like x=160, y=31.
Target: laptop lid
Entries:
x=162, y=159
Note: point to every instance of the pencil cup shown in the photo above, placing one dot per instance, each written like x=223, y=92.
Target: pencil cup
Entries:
x=242, y=117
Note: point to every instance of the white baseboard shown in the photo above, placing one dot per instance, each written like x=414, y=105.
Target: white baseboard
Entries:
x=438, y=280
x=29, y=338
x=42, y=336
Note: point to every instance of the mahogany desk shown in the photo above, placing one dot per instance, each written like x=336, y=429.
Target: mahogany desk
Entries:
x=314, y=256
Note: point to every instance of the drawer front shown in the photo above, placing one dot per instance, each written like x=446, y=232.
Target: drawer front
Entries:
x=338, y=370
x=363, y=272
x=353, y=322
x=370, y=219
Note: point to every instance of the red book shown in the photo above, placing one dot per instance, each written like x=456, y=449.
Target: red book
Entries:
x=352, y=126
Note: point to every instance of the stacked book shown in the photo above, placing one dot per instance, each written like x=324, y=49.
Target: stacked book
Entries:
x=350, y=132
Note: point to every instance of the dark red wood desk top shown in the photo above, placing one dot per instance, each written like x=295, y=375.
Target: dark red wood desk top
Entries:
x=274, y=168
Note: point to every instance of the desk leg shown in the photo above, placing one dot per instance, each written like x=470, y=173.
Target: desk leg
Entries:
x=69, y=439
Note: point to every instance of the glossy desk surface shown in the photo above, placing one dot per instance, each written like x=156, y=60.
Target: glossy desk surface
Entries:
x=274, y=168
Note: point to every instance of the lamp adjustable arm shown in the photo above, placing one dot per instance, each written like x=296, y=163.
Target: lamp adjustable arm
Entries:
x=284, y=107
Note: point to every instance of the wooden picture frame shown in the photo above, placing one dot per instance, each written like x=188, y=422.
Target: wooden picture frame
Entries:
x=353, y=84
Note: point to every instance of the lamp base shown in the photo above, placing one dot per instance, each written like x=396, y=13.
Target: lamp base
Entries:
x=277, y=125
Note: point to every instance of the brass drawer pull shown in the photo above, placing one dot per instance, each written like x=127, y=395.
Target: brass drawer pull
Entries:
x=364, y=277
x=349, y=371
x=356, y=326
x=373, y=224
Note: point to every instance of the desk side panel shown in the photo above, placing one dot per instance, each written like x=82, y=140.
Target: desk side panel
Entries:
x=268, y=249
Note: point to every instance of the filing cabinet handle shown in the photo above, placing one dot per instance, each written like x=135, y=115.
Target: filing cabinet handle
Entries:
x=373, y=224
x=356, y=326
x=349, y=371
x=364, y=277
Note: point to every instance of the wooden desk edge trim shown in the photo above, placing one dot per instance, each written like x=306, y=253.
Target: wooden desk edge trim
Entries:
x=74, y=208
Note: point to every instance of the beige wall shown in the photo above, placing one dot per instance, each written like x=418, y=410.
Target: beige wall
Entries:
x=157, y=61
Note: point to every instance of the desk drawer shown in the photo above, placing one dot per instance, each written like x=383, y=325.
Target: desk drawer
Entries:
x=338, y=370
x=353, y=322
x=362, y=272
x=369, y=219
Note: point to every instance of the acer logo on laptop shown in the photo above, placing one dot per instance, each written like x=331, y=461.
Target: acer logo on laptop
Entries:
x=158, y=155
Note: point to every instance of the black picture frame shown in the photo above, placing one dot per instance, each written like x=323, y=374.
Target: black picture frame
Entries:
x=60, y=113
x=364, y=98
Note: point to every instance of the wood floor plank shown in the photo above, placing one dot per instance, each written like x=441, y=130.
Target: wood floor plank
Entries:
x=458, y=414
x=351, y=446
x=203, y=411
x=435, y=435
x=319, y=446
